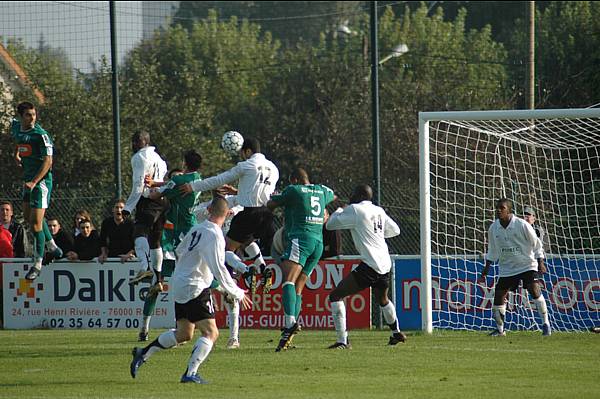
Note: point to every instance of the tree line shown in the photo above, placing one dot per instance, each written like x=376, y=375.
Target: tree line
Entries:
x=306, y=96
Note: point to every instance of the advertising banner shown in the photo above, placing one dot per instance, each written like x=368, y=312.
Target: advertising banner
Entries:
x=267, y=311
x=571, y=288
x=79, y=295
x=93, y=295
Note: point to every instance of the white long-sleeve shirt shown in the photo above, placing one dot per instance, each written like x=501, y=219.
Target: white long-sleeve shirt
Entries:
x=200, y=258
x=369, y=226
x=145, y=162
x=516, y=248
x=257, y=179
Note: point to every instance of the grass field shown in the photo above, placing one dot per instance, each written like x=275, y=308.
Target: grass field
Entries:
x=95, y=363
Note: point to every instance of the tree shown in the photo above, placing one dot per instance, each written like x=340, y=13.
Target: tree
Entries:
x=198, y=83
x=289, y=22
x=567, y=55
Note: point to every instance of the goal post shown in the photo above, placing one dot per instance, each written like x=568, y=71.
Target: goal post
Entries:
x=545, y=159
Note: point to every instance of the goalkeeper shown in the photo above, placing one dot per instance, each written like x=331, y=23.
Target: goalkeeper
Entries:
x=512, y=243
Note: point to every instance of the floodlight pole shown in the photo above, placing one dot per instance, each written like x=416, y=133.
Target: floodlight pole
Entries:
x=375, y=106
x=531, y=77
x=115, y=100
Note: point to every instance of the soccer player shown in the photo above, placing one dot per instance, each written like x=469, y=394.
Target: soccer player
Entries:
x=304, y=209
x=332, y=242
x=180, y=220
x=234, y=265
x=512, y=243
x=257, y=180
x=34, y=153
x=369, y=226
x=149, y=214
x=200, y=259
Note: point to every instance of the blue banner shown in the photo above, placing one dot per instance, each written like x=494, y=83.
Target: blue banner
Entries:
x=571, y=288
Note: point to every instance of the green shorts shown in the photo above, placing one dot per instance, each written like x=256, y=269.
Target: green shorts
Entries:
x=306, y=251
x=168, y=267
x=39, y=196
x=171, y=237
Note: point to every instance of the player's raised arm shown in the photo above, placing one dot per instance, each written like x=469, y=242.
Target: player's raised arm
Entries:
x=212, y=183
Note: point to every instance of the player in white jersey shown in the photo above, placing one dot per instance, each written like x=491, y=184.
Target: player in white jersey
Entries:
x=369, y=226
x=257, y=178
x=234, y=265
x=200, y=259
x=512, y=243
x=150, y=214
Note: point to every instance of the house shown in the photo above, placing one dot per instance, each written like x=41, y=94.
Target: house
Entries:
x=12, y=79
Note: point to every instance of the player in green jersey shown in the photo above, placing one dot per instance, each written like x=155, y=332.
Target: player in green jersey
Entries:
x=304, y=211
x=34, y=153
x=180, y=220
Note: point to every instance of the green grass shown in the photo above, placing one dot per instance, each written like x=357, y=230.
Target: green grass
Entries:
x=95, y=363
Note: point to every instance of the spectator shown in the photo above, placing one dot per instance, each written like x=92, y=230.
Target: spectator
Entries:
x=6, y=248
x=116, y=235
x=6, y=251
x=61, y=237
x=87, y=243
x=16, y=229
x=79, y=216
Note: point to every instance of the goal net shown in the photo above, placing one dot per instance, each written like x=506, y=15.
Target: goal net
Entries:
x=548, y=160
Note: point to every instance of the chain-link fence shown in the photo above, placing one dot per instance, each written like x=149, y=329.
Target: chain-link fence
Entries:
x=65, y=202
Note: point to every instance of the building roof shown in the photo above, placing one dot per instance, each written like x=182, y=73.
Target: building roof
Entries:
x=17, y=74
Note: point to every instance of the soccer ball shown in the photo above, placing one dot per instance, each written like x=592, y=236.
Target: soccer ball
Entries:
x=232, y=143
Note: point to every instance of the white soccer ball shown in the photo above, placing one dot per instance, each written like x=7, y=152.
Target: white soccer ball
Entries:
x=232, y=143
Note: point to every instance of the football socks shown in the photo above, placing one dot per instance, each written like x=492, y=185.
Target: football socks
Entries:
x=542, y=309
x=142, y=252
x=499, y=312
x=338, y=311
x=199, y=354
x=289, y=303
x=389, y=315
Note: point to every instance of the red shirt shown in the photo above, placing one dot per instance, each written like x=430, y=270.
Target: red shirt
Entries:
x=6, y=249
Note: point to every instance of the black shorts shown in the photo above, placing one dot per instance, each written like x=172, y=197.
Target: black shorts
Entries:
x=150, y=217
x=511, y=283
x=197, y=309
x=149, y=213
x=253, y=224
x=365, y=276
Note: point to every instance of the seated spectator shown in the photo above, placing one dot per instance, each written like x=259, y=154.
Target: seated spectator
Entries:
x=16, y=229
x=61, y=237
x=116, y=235
x=79, y=216
x=87, y=243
